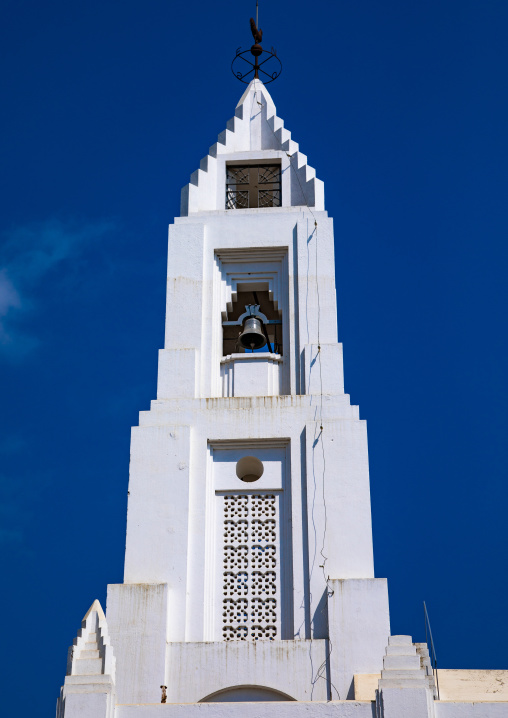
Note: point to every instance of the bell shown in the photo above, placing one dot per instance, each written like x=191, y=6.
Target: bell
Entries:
x=252, y=336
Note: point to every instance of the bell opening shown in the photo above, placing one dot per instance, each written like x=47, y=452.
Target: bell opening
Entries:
x=233, y=342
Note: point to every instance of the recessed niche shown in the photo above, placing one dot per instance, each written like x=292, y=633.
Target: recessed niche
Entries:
x=249, y=469
x=259, y=464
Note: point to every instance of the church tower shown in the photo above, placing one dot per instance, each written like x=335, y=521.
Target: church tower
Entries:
x=249, y=572
x=249, y=528
x=248, y=563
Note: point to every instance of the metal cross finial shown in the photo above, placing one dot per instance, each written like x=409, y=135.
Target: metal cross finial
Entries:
x=256, y=50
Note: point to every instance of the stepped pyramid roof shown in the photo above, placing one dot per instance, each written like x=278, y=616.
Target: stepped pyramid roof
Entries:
x=254, y=132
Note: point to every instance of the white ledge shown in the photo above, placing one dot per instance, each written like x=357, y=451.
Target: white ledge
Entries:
x=256, y=356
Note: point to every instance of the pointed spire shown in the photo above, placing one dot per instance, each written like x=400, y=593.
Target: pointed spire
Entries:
x=96, y=606
x=91, y=652
x=89, y=687
x=254, y=128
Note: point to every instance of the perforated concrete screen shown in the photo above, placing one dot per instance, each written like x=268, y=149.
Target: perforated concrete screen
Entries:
x=250, y=549
x=251, y=567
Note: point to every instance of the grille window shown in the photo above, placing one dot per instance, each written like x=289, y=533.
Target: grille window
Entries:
x=249, y=186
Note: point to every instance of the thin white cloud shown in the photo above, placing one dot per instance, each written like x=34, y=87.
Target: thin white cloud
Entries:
x=28, y=254
x=9, y=298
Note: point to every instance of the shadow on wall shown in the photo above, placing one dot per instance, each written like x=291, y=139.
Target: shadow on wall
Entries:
x=320, y=618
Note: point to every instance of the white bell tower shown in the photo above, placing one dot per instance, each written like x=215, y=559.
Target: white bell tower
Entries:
x=249, y=570
x=249, y=562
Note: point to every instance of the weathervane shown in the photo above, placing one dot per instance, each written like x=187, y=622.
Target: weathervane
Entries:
x=257, y=51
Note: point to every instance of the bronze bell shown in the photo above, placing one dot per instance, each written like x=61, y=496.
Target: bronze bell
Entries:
x=252, y=336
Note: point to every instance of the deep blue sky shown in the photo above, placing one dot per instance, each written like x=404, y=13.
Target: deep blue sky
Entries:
x=107, y=107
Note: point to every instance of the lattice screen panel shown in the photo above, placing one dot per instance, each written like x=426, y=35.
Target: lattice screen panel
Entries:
x=251, y=584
